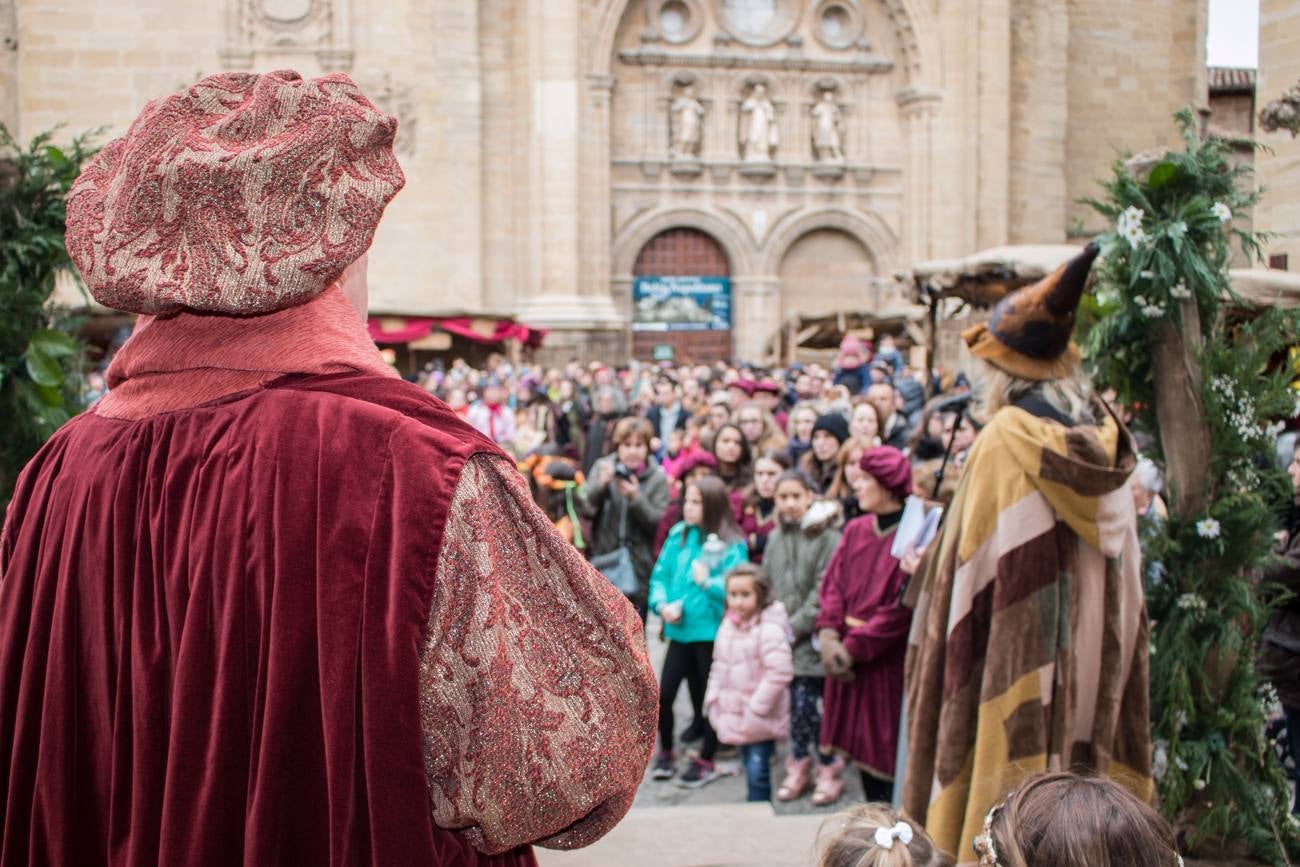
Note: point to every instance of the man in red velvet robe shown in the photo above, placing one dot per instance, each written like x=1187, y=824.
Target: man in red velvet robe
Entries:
x=266, y=603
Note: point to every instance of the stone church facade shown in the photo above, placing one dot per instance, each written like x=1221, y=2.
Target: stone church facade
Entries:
x=557, y=150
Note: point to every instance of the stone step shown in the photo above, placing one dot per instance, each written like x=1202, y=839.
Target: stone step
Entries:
x=703, y=835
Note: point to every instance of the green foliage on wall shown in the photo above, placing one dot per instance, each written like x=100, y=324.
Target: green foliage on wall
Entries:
x=39, y=358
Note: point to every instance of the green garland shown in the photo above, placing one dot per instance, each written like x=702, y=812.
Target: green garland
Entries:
x=40, y=361
x=1218, y=777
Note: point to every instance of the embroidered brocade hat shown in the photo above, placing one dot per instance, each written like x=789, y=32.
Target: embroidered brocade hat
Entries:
x=243, y=194
x=1029, y=333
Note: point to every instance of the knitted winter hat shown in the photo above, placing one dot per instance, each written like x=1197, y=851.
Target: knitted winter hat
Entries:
x=243, y=194
x=1029, y=333
x=890, y=467
x=834, y=424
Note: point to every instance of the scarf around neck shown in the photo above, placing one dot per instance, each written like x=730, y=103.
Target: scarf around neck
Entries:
x=181, y=361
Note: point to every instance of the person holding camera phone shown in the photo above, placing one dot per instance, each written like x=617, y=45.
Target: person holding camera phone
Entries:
x=625, y=500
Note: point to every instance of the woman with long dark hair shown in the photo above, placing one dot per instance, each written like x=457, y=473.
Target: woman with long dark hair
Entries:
x=735, y=457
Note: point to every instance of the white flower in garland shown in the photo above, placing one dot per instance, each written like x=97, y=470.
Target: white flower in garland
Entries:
x=1181, y=763
x=1194, y=602
x=1160, y=760
x=1238, y=410
x=1222, y=211
x=1198, y=785
x=1129, y=226
x=1274, y=429
x=1146, y=275
x=1177, y=229
x=1150, y=309
x=1181, y=292
x=1207, y=529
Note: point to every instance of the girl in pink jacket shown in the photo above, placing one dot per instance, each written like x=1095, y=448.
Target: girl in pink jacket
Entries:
x=748, y=697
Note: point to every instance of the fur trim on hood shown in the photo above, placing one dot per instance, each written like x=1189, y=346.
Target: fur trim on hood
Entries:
x=821, y=515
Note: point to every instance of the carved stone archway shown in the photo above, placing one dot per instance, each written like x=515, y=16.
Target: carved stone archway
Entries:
x=866, y=228
x=726, y=230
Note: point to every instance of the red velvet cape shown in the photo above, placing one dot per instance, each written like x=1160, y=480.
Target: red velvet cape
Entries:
x=210, y=630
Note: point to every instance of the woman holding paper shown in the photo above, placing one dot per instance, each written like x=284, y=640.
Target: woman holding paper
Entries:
x=862, y=628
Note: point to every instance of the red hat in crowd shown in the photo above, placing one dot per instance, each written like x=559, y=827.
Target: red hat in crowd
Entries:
x=767, y=386
x=693, y=461
x=243, y=194
x=748, y=386
x=890, y=467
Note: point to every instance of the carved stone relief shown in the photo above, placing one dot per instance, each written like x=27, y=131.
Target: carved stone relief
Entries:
x=395, y=97
x=321, y=28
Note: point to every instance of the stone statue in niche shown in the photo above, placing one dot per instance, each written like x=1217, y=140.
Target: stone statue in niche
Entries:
x=828, y=130
x=687, y=125
x=758, y=132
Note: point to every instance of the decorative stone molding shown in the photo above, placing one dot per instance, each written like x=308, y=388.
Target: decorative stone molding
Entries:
x=1282, y=113
x=870, y=63
x=318, y=28
x=395, y=97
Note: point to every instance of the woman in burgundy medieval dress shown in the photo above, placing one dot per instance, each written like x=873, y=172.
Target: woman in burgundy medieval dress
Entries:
x=862, y=632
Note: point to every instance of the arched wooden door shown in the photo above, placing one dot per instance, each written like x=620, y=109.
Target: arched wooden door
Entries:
x=681, y=298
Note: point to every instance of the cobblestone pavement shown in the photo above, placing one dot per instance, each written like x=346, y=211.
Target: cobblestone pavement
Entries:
x=670, y=826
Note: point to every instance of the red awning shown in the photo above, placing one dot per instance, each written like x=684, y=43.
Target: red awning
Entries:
x=385, y=329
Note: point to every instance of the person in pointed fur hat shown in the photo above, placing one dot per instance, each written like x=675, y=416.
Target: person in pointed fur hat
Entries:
x=1028, y=650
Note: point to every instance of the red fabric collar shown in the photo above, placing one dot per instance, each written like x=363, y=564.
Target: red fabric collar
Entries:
x=183, y=360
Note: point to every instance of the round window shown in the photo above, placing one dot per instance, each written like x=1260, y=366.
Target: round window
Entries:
x=678, y=20
x=838, y=23
x=674, y=19
x=759, y=22
x=835, y=23
x=751, y=17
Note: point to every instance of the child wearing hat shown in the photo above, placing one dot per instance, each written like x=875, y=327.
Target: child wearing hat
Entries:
x=862, y=633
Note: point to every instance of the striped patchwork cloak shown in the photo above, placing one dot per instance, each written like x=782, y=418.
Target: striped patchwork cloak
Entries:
x=1028, y=649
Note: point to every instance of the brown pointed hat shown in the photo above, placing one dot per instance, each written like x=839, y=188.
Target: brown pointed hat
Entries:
x=1029, y=333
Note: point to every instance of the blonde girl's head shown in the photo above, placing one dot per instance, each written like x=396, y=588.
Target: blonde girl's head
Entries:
x=873, y=835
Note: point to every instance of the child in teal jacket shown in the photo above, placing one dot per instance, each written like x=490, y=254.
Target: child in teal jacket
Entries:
x=687, y=591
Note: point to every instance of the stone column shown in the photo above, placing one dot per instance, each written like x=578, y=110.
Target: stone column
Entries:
x=920, y=110
x=993, y=60
x=755, y=315
x=561, y=294
x=9, y=67
x=1039, y=118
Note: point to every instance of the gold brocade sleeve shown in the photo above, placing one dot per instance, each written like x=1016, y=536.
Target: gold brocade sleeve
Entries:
x=537, y=699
